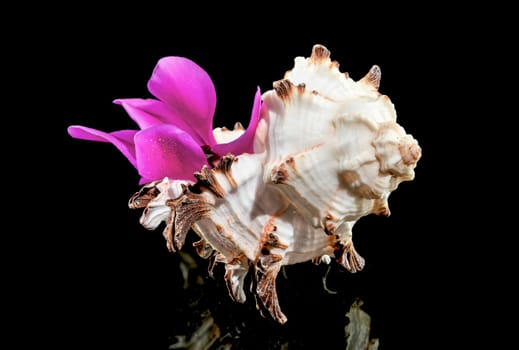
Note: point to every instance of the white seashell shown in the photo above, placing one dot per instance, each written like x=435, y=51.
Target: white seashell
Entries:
x=329, y=151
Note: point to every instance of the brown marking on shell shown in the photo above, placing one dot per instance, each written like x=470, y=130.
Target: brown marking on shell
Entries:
x=238, y=126
x=319, y=54
x=219, y=228
x=347, y=256
x=212, y=158
x=332, y=241
x=224, y=233
x=351, y=180
x=225, y=166
x=291, y=163
x=231, y=219
x=381, y=207
x=279, y=174
x=410, y=153
x=203, y=248
x=266, y=274
x=334, y=65
x=168, y=234
x=228, y=235
x=329, y=223
x=367, y=192
x=283, y=89
x=207, y=179
x=269, y=239
x=265, y=261
x=373, y=77
x=142, y=198
x=191, y=208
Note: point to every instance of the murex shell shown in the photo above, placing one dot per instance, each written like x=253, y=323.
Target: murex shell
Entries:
x=328, y=150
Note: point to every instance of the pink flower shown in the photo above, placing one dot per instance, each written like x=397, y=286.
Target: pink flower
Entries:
x=175, y=128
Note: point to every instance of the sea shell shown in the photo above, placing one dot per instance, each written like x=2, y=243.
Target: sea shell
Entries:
x=328, y=151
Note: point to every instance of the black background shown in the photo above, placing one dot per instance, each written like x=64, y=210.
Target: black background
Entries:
x=100, y=280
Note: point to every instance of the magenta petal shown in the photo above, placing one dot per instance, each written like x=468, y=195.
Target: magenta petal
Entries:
x=144, y=181
x=147, y=112
x=189, y=92
x=122, y=139
x=244, y=143
x=165, y=150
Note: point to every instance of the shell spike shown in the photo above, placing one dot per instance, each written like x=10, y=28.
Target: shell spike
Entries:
x=266, y=293
x=235, y=273
x=373, y=77
x=283, y=88
x=319, y=53
x=349, y=258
